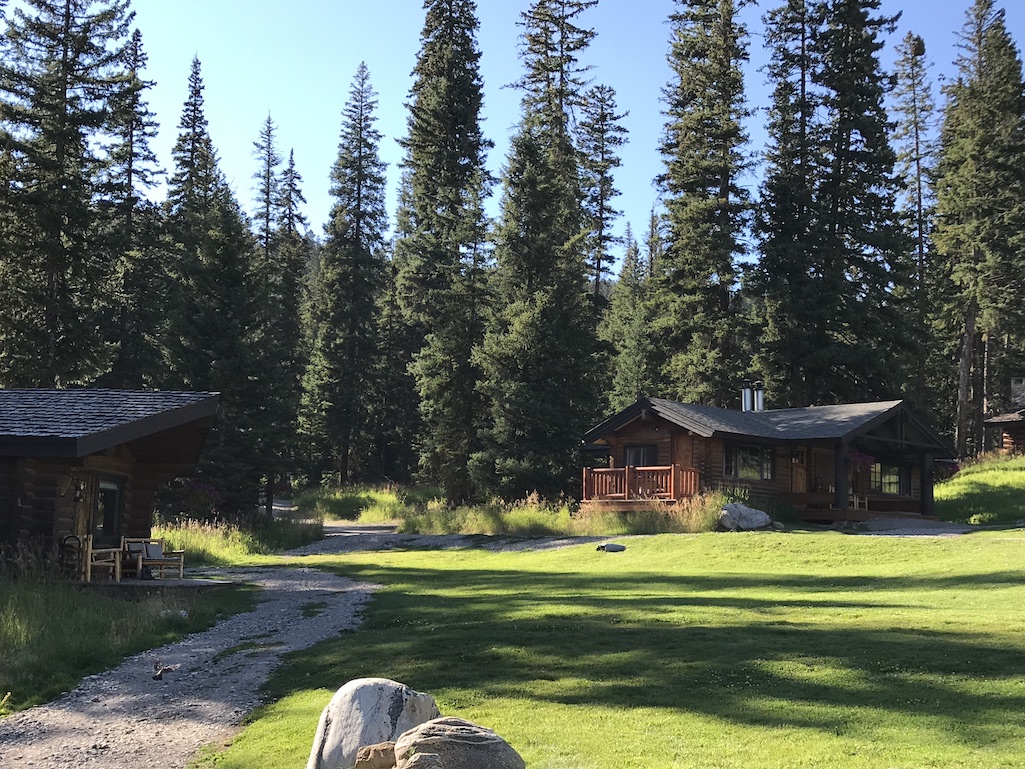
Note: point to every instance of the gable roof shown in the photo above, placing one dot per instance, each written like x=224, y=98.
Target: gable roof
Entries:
x=75, y=423
x=813, y=423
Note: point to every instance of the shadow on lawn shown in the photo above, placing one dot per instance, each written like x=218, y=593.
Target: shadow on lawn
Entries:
x=711, y=645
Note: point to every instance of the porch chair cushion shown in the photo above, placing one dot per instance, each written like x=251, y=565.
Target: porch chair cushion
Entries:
x=154, y=551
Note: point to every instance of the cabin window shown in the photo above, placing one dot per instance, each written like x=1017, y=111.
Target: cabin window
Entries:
x=887, y=478
x=645, y=455
x=749, y=463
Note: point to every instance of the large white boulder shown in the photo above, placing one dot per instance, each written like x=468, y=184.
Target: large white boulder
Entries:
x=456, y=744
x=737, y=517
x=366, y=711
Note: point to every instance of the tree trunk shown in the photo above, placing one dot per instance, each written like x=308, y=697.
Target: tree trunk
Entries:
x=964, y=380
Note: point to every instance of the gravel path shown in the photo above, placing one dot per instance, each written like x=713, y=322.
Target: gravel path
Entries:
x=124, y=717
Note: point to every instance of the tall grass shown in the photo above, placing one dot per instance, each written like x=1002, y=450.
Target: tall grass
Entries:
x=424, y=512
x=221, y=544
x=990, y=490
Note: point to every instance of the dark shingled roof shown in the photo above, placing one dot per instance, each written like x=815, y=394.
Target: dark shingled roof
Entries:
x=74, y=423
x=1002, y=419
x=814, y=423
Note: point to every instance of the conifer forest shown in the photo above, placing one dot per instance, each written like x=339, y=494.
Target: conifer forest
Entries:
x=879, y=257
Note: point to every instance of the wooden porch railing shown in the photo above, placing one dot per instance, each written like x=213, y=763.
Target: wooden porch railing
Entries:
x=669, y=482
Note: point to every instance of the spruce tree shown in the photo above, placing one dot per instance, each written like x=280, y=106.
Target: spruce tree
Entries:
x=980, y=212
x=914, y=111
x=134, y=224
x=706, y=206
x=351, y=274
x=59, y=71
x=790, y=277
x=600, y=134
x=540, y=353
x=865, y=250
x=213, y=330
x=626, y=329
x=440, y=250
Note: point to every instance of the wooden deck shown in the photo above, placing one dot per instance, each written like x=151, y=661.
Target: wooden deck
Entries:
x=631, y=485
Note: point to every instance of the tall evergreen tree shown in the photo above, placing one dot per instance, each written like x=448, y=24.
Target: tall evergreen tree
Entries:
x=706, y=207
x=626, y=328
x=214, y=319
x=135, y=227
x=865, y=248
x=914, y=110
x=281, y=264
x=58, y=73
x=539, y=354
x=440, y=249
x=600, y=136
x=980, y=210
x=351, y=273
x=790, y=278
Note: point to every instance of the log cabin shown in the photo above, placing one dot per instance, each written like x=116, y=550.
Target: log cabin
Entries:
x=90, y=461
x=851, y=461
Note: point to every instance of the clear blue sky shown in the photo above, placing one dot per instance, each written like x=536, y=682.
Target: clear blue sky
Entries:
x=296, y=59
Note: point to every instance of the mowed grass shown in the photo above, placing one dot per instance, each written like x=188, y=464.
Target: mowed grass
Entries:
x=990, y=491
x=727, y=651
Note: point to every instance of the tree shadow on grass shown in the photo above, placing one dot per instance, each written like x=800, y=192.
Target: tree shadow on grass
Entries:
x=768, y=651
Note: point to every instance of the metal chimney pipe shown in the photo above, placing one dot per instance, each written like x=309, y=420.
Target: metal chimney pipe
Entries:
x=747, y=402
x=759, y=404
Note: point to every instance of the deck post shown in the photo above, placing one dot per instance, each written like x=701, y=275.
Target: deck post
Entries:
x=629, y=481
x=586, y=488
x=927, y=506
x=841, y=486
x=673, y=472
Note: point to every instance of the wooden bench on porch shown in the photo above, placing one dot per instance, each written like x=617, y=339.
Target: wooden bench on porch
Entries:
x=141, y=553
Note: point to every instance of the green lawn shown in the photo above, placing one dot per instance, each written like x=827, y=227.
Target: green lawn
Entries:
x=990, y=491
x=746, y=651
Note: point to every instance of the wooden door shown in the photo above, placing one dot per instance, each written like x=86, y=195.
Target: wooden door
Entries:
x=799, y=471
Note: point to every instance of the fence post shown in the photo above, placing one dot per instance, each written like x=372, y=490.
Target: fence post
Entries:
x=587, y=491
x=629, y=480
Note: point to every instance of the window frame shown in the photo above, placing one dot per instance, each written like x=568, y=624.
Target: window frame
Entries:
x=764, y=457
x=641, y=447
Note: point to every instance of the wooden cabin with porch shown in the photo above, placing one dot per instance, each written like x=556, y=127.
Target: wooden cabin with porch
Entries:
x=75, y=463
x=851, y=461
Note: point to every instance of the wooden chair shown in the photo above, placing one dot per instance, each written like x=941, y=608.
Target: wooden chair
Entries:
x=100, y=559
x=148, y=553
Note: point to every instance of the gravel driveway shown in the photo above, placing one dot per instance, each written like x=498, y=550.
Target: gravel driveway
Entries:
x=124, y=717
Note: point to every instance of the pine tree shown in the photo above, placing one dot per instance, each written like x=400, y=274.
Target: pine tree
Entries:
x=600, y=136
x=540, y=353
x=706, y=207
x=790, y=278
x=440, y=249
x=58, y=74
x=214, y=319
x=980, y=211
x=351, y=275
x=281, y=265
x=865, y=250
x=135, y=228
x=914, y=110
x=634, y=370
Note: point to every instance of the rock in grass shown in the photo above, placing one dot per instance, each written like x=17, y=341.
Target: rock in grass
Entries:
x=737, y=517
x=458, y=744
x=366, y=711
